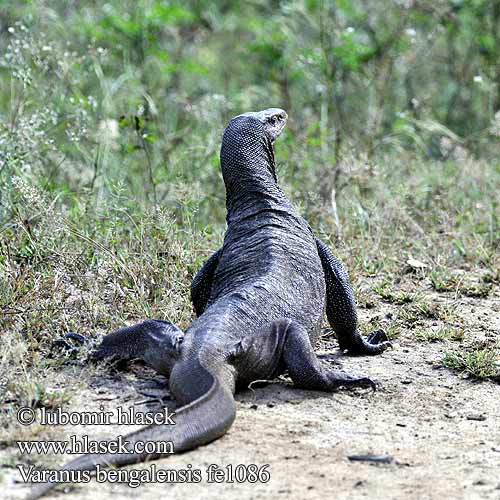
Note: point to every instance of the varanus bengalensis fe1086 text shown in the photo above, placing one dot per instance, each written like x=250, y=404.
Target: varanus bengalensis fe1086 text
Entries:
x=259, y=299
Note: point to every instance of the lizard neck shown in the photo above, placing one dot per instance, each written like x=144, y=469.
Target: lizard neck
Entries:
x=249, y=173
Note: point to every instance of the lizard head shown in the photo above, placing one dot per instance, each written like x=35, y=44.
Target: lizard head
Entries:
x=247, y=144
x=272, y=119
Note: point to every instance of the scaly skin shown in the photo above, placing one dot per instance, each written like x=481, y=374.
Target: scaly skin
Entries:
x=260, y=301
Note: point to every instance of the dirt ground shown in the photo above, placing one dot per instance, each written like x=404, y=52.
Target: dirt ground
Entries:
x=442, y=429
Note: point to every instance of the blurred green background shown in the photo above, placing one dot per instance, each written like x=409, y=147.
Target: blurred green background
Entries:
x=136, y=93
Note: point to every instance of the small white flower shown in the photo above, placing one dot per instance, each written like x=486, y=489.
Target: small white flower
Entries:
x=478, y=79
x=350, y=29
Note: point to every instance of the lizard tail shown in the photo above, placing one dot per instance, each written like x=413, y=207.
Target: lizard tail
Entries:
x=203, y=420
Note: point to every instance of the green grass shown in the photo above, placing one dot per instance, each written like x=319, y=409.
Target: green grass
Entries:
x=425, y=309
x=387, y=291
x=446, y=280
x=479, y=363
x=440, y=334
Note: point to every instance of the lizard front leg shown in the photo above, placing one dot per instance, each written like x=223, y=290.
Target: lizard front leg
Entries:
x=341, y=308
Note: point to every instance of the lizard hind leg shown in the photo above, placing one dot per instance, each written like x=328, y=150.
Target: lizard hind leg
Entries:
x=306, y=370
x=341, y=308
x=156, y=342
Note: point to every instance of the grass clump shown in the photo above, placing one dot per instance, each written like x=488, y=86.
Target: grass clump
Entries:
x=424, y=310
x=389, y=294
x=479, y=363
x=440, y=334
x=447, y=280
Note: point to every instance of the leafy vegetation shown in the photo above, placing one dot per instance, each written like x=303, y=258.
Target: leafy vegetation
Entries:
x=479, y=363
x=440, y=334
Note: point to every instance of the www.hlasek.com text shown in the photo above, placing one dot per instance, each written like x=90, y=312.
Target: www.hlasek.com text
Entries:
x=79, y=445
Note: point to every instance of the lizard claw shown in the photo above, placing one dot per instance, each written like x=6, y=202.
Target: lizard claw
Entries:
x=338, y=378
x=375, y=343
x=363, y=382
x=377, y=337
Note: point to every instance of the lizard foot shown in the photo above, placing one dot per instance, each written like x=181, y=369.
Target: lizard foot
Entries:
x=377, y=337
x=70, y=342
x=338, y=378
x=375, y=343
